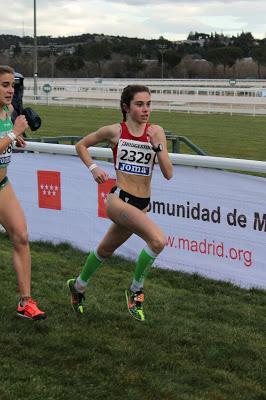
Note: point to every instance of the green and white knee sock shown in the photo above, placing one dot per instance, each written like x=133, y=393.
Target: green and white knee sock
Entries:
x=144, y=262
x=91, y=265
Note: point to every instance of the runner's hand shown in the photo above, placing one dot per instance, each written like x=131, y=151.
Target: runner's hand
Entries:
x=20, y=142
x=99, y=175
x=154, y=133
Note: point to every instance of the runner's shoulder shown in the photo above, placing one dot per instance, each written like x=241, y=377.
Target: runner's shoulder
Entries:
x=155, y=126
x=109, y=130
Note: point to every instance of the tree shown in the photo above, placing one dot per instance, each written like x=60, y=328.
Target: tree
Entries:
x=97, y=53
x=198, y=35
x=259, y=55
x=227, y=56
x=133, y=67
x=69, y=63
x=17, y=49
x=80, y=51
x=172, y=58
x=215, y=41
x=245, y=41
x=102, y=54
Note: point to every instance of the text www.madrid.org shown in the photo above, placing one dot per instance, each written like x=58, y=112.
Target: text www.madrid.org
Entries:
x=210, y=248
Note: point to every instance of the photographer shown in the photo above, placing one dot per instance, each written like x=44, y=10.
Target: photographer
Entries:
x=33, y=119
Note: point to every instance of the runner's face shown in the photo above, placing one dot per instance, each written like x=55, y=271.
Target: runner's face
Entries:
x=140, y=107
x=6, y=89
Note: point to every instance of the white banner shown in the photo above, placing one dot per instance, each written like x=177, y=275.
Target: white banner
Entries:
x=214, y=221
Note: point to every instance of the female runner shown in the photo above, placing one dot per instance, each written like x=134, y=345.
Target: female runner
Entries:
x=135, y=144
x=11, y=214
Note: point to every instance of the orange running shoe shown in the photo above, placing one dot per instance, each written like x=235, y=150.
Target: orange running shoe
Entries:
x=30, y=311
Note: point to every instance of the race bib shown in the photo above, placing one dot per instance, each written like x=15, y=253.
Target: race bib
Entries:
x=5, y=157
x=134, y=157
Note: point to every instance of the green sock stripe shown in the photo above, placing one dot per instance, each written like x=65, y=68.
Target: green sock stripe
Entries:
x=91, y=265
x=144, y=262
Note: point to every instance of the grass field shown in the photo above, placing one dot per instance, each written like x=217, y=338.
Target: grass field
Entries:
x=202, y=339
x=238, y=136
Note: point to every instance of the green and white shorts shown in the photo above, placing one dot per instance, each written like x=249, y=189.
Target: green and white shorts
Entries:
x=3, y=182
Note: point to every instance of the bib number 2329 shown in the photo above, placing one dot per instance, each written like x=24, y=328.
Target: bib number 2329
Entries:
x=135, y=157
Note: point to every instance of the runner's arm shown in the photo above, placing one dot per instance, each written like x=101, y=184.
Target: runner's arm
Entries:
x=20, y=125
x=157, y=137
x=104, y=134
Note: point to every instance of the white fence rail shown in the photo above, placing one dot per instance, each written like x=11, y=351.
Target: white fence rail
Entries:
x=177, y=159
x=203, y=96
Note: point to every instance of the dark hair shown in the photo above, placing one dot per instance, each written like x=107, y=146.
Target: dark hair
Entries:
x=128, y=95
x=6, y=69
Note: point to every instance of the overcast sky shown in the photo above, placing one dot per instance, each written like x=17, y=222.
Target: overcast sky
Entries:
x=173, y=19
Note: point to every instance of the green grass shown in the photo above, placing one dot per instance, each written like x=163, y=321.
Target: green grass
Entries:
x=202, y=339
x=238, y=136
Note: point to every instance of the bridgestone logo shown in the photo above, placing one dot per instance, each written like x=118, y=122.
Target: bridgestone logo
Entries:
x=136, y=146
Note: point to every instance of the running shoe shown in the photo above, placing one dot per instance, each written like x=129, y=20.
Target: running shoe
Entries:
x=30, y=311
x=134, y=304
x=76, y=297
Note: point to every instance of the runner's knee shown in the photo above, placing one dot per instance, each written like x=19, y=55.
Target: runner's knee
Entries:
x=20, y=238
x=104, y=252
x=157, y=244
